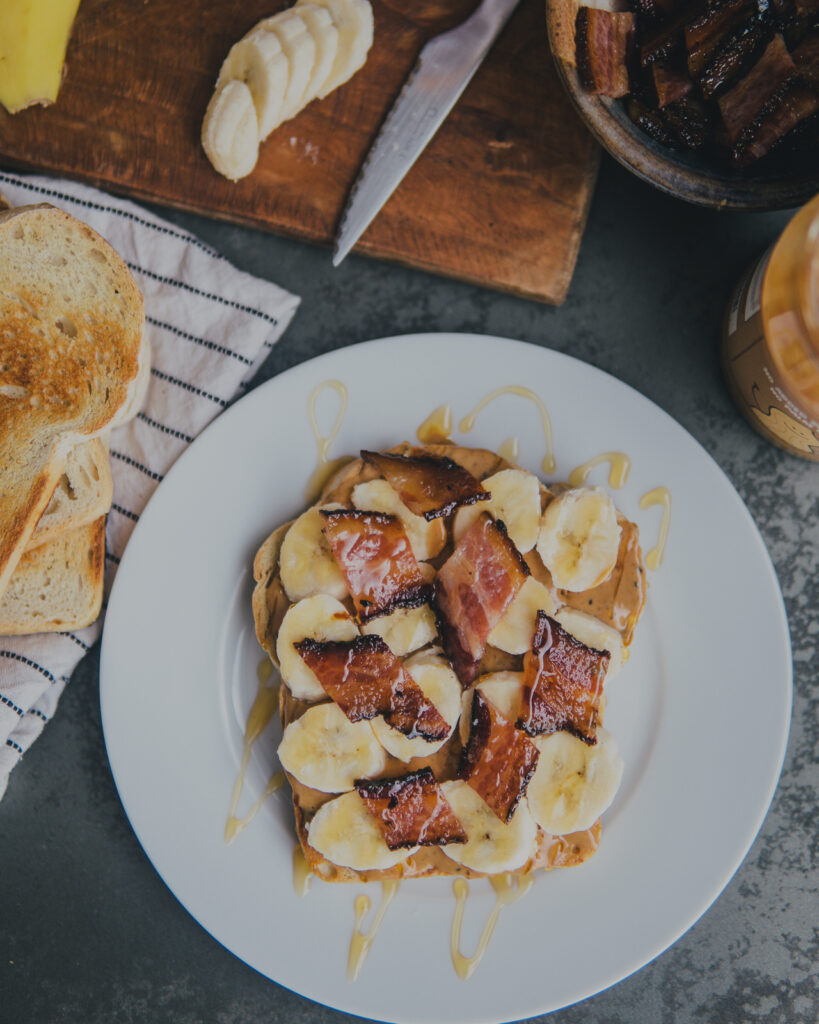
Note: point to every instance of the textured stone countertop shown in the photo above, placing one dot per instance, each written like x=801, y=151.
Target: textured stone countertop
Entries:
x=88, y=931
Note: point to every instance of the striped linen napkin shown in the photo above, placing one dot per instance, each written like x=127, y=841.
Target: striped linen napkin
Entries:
x=210, y=327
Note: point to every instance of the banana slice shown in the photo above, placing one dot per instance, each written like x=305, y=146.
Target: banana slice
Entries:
x=320, y=617
x=345, y=832
x=501, y=689
x=426, y=538
x=300, y=49
x=306, y=563
x=354, y=21
x=325, y=35
x=594, y=633
x=573, y=783
x=516, y=629
x=230, y=131
x=259, y=62
x=326, y=751
x=515, y=500
x=441, y=686
x=492, y=846
x=579, y=538
x=405, y=629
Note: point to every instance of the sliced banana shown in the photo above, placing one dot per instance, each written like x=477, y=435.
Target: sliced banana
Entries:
x=230, y=131
x=573, y=783
x=579, y=538
x=325, y=35
x=492, y=846
x=501, y=689
x=326, y=751
x=306, y=563
x=426, y=538
x=345, y=832
x=441, y=687
x=405, y=629
x=515, y=500
x=259, y=61
x=300, y=50
x=354, y=21
x=319, y=617
x=516, y=629
x=594, y=633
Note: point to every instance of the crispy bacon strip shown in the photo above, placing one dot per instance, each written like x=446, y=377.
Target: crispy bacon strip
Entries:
x=669, y=83
x=498, y=760
x=779, y=117
x=743, y=104
x=366, y=679
x=562, y=683
x=429, y=485
x=411, y=810
x=374, y=554
x=603, y=40
x=473, y=589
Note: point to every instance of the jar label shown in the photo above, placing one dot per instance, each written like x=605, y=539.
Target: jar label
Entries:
x=752, y=378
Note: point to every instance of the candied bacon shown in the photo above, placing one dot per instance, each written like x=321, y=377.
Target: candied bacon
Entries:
x=704, y=32
x=669, y=83
x=473, y=589
x=806, y=59
x=781, y=116
x=562, y=683
x=498, y=760
x=374, y=554
x=411, y=810
x=743, y=104
x=732, y=57
x=366, y=679
x=603, y=40
x=429, y=485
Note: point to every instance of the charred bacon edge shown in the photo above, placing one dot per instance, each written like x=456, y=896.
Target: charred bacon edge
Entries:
x=384, y=789
x=438, y=463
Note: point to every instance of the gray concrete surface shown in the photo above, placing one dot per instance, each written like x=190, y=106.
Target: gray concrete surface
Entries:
x=88, y=931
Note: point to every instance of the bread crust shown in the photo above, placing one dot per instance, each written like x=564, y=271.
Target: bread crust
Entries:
x=270, y=604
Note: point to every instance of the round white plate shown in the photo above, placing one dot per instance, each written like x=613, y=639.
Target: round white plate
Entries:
x=701, y=711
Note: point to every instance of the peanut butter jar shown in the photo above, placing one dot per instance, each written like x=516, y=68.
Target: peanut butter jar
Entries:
x=770, y=339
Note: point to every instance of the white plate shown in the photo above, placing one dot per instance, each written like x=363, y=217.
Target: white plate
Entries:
x=701, y=711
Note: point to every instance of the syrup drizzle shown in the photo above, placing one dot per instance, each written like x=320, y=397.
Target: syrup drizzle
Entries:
x=508, y=890
x=659, y=496
x=302, y=874
x=619, y=469
x=265, y=703
x=362, y=941
x=468, y=422
x=325, y=466
x=437, y=427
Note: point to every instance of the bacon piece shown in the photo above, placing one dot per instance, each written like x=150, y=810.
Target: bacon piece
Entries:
x=473, y=589
x=498, y=760
x=562, y=683
x=366, y=679
x=704, y=32
x=411, y=810
x=743, y=104
x=603, y=40
x=781, y=116
x=669, y=83
x=374, y=554
x=429, y=485
x=734, y=55
x=806, y=59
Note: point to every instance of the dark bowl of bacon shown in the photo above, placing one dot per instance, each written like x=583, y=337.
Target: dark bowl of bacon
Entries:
x=713, y=101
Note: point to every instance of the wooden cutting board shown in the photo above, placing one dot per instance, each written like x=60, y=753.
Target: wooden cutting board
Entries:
x=499, y=198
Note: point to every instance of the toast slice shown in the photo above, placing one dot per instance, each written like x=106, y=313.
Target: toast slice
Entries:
x=83, y=494
x=71, y=341
x=57, y=585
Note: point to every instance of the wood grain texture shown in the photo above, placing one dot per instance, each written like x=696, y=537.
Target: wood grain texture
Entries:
x=499, y=197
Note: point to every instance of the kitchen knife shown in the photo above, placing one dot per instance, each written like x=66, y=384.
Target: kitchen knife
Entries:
x=442, y=72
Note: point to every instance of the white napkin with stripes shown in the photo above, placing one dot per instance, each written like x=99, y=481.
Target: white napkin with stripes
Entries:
x=210, y=327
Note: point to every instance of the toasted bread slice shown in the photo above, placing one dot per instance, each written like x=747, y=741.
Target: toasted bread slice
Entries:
x=83, y=493
x=71, y=336
x=57, y=585
x=270, y=604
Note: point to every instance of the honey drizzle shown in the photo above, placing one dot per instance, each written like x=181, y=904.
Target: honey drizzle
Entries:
x=302, y=872
x=510, y=449
x=265, y=703
x=361, y=942
x=508, y=889
x=619, y=469
x=437, y=427
x=468, y=422
x=659, y=496
x=324, y=465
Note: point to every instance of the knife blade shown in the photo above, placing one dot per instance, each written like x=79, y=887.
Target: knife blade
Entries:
x=443, y=70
